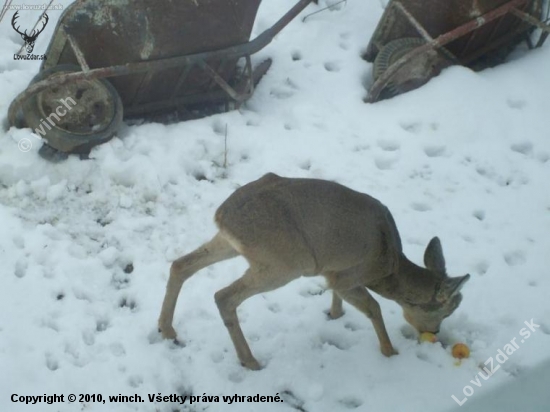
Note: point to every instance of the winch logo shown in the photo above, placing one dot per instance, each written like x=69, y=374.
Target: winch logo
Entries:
x=29, y=38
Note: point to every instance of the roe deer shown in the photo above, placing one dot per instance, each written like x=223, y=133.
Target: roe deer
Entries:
x=286, y=228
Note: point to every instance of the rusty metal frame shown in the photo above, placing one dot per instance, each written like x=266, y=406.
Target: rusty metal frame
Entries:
x=421, y=30
x=78, y=53
x=510, y=8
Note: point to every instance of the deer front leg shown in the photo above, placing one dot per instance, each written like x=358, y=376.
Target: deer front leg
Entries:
x=363, y=301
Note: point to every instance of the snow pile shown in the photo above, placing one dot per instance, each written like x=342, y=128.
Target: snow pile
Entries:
x=86, y=246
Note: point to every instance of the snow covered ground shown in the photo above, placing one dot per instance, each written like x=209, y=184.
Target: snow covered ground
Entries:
x=466, y=158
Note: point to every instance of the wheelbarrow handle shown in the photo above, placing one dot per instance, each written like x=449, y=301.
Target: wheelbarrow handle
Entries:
x=267, y=36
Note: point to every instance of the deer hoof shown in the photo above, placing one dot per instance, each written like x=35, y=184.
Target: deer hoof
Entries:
x=389, y=351
x=335, y=314
x=253, y=365
x=168, y=332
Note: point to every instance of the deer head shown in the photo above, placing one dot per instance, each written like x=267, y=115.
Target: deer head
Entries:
x=444, y=294
x=30, y=38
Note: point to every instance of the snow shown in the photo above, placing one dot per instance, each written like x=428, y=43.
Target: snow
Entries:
x=466, y=158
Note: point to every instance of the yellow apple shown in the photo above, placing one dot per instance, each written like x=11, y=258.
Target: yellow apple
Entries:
x=461, y=351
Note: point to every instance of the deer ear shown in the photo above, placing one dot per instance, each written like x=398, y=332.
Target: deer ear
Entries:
x=451, y=287
x=433, y=257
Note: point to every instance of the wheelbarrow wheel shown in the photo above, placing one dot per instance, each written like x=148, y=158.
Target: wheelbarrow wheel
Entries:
x=73, y=117
x=414, y=73
x=392, y=52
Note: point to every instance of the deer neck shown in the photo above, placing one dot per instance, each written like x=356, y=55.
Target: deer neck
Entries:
x=411, y=285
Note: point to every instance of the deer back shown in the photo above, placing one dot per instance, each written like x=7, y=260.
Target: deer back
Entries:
x=310, y=225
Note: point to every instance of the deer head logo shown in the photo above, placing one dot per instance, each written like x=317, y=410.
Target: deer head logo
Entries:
x=30, y=38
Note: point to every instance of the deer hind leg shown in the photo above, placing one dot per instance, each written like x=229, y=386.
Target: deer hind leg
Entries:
x=215, y=250
x=336, y=310
x=363, y=301
x=257, y=279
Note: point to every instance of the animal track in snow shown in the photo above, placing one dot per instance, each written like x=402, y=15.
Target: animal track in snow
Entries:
x=416, y=127
x=236, y=377
x=117, y=349
x=51, y=363
x=479, y=214
x=525, y=148
x=516, y=179
x=274, y=307
x=425, y=174
x=434, y=150
x=219, y=127
x=21, y=268
x=127, y=303
x=388, y=145
x=217, y=356
x=513, y=369
x=420, y=207
x=337, y=342
x=50, y=323
x=291, y=84
x=345, y=35
x=352, y=326
x=88, y=337
x=384, y=163
x=468, y=239
x=412, y=127
x=350, y=403
x=285, y=91
x=361, y=148
x=135, y=381
x=516, y=103
x=482, y=267
x=332, y=66
x=305, y=165
x=281, y=93
x=296, y=55
x=101, y=325
x=514, y=258
x=120, y=280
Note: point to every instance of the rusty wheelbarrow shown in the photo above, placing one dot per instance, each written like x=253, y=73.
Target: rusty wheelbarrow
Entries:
x=188, y=58
x=416, y=39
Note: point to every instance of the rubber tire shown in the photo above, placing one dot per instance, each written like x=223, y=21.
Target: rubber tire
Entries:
x=63, y=140
x=392, y=52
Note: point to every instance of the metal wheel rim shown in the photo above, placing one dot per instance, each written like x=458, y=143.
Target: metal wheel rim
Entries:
x=81, y=108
